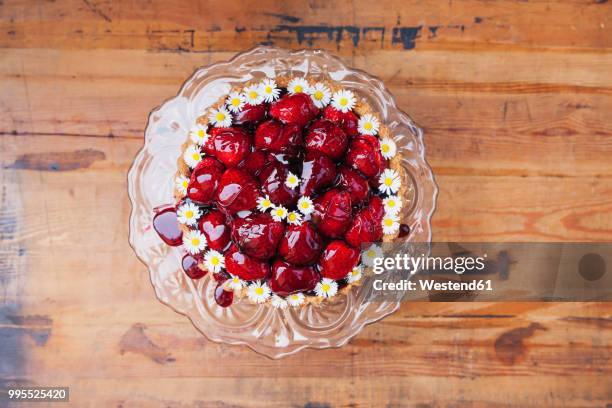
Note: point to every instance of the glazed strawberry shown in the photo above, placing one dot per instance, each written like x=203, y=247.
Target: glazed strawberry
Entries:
x=337, y=260
x=254, y=163
x=191, y=268
x=366, y=226
x=237, y=191
x=244, y=266
x=326, y=137
x=250, y=114
x=229, y=145
x=353, y=182
x=166, y=224
x=333, y=213
x=223, y=297
x=364, y=155
x=287, y=279
x=301, y=244
x=348, y=121
x=318, y=171
x=297, y=108
x=275, y=137
x=217, y=232
x=272, y=180
x=205, y=180
x=257, y=235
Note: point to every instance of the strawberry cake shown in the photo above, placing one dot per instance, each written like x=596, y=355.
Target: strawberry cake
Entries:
x=282, y=192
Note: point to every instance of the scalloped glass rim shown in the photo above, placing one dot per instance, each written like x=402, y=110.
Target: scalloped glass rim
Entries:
x=272, y=332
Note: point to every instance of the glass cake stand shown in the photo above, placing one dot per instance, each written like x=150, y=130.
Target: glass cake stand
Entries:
x=269, y=331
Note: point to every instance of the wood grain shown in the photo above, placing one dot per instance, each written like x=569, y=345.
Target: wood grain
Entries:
x=515, y=98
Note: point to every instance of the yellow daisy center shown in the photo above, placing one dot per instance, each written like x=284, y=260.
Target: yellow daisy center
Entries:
x=185, y=183
x=355, y=272
x=305, y=205
x=388, y=222
x=371, y=253
x=235, y=102
x=253, y=94
x=298, y=88
x=292, y=179
x=280, y=212
x=266, y=203
x=385, y=148
x=220, y=116
x=318, y=95
x=196, y=156
x=343, y=101
x=325, y=287
x=268, y=89
x=294, y=297
x=391, y=203
x=214, y=261
x=292, y=217
x=201, y=133
x=388, y=182
x=259, y=291
x=195, y=242
x=367, y=126
x=188, y=213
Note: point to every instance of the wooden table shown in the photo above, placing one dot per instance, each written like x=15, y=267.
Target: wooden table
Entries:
x=516, y=100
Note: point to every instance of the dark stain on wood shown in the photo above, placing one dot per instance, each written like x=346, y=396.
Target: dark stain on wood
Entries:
x=37, y=327
x=284, y=17
x=406, y=36
x=135, y=340
x=317, y=405
x=94, y=8
x=58, y=161
x=311, y=34
x=510, y=347
x=599, y=322
x=477, y=20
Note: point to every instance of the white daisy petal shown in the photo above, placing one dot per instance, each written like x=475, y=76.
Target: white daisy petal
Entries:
x=192, y=156
x=298, y=85
x=235, y=102
x=295, y=299
x=373, y=252
x=389, y=182
x=181, y=183
x=390, y=224
x=264, y=203
x=305, y=205
x=252, y=95
x=188, y=214
x=292, y=181
x=388, y=148
x=220, y=117
x=343, y=100
x=279, y=213
x=294, y=218
x=320, y=94
x=326, y=288
x=269, y=90
x=235, y=283
x=355, y=274
x=198, y=134
x=214, y=261
x=278, y=302
x=393, y=204
x=368, y=124
x=194, y=241
x=258, y=292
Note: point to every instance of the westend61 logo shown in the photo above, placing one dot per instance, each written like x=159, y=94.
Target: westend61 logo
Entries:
x=405, y=262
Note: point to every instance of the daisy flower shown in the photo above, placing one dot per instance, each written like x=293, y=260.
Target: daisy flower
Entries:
x=198, y=134
x=305, y=205
x=235, y=283
x=390, y=224
x=294, y=218
x=194, y=241
x=326, y=288
x=296, y=299
x=388, y=148
x=264, y=203
x=181, y=183
x=258, y=292
x=368, y=124
x=220, y=117
x=278, y=302
x=343, y=100
x=389, y=182
x=269, y=90
x=298, y=85
x=373, y=252
x=320, y=94
x=214, y=261
x=235, y=102
x=292, y=180
x=188, y=213
x=192, y=156
x=355, y=274
x=393, y=204
x=279, y=213
x=252, y=95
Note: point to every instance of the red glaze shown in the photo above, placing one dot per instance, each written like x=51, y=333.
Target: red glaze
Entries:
x=287, y=279
x=217, y=233
x=275, y=137
x=229, y=145
x=258, y=235
x=337, y=260
x=366, y=226
x=301, y=244
x=205, y=180
x=237, y=191
x=190, y=266
x=272, y=180
x=353, y=182
x=250, y=114
x=318, y=171
x=254, y=163
x=297, y=108
x=348, y=121
x=333, y=213
x=166, y=224
x=324, y=136
x=364, y=155
x=244, y=266
x=221, y=276
x=223, y=297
